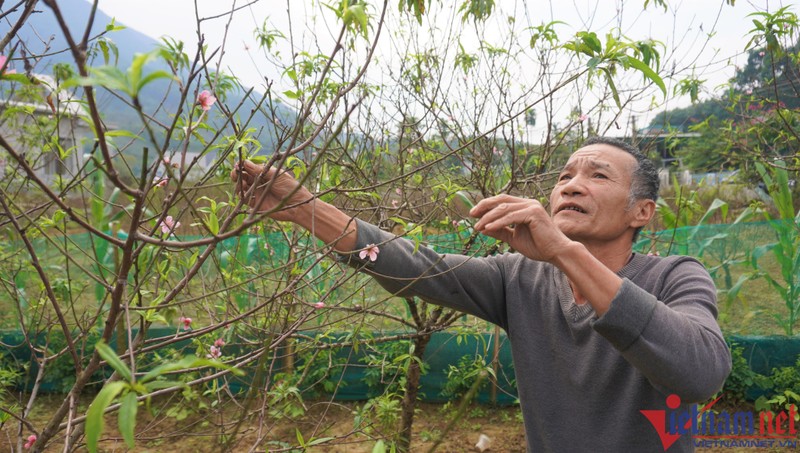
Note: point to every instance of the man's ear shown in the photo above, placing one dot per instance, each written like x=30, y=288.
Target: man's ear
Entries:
x=643, y=212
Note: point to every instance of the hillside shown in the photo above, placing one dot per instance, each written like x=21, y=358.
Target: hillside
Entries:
x=41, y=36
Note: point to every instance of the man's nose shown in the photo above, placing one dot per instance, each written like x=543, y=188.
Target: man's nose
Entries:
x=574, y=186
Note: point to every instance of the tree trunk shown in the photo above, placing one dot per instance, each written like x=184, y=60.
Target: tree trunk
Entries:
x=411, y=391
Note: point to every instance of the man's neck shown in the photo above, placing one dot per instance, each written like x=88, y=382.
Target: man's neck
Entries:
x=614, y=256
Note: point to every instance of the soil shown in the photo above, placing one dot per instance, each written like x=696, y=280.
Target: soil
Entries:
x=199, y=433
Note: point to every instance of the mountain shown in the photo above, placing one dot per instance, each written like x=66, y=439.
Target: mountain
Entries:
x=42, y=35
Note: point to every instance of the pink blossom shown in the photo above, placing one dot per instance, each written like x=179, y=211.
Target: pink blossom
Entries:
x=32, y=437
x=583, y=118
x=187, y=322
x=496, y=151
x=219, y=342
x=394, y=204
x=169, y=224
x=653, y=253
x=168, y=162
x=398, y=192
x=161, y=182
x=455, y=223
x=319, y=305
x=214, y=352
x=748, y=91
x=761, y=54
x=3, y=60
x=206, y=100
x=370, y=251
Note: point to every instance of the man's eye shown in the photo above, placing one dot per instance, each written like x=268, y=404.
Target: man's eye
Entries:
x=600, y=175
x=563, y=177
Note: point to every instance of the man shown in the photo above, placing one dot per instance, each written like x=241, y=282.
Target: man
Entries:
x=598, y=333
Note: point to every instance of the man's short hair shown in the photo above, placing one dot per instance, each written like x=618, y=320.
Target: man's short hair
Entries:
x=644, y=179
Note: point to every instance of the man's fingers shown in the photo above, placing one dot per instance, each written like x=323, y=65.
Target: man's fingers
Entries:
x=249, y=172
x=502, y=235
x=487, y=204
x=502, y=215
x=490, y=204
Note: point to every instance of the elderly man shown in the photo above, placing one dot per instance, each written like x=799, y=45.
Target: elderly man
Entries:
x=598, y=333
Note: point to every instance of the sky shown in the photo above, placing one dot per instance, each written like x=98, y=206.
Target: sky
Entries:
x=683, y=20
x=708, y=36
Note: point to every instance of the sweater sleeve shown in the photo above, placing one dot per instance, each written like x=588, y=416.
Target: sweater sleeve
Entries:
x=469, y=284
x=671, y=337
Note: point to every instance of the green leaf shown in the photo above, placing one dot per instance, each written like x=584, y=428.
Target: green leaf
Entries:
x=715, y=205
x=415, y=6
x=321, y=440
x=356, y=14
x=19, y=78
x=379, y=447
x=112, y=26
x=104, y=49
x=737, y=287
x=155, y=75
x=94, y=416
x=114, y=361
x=158, y=385
x=463, y=198
x=127, y=417
x=187, y=362
x=136, y=69
x=648, y=73
x=591, y=41
x=109, y=77
x=612, y=86
x=748, y=213
x=213, y=223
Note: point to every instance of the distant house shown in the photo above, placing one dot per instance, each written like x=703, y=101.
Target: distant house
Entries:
x=29, y=128
x=655, y=141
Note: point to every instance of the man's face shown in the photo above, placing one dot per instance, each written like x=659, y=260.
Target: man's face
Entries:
x=590, y=200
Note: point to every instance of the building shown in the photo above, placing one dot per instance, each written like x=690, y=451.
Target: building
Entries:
x=46, y=126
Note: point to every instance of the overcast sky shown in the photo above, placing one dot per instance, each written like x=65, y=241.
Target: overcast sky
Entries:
x=683, y=22
x=709, y=35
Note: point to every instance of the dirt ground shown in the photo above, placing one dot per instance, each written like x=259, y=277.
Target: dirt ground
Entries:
x=198, y=433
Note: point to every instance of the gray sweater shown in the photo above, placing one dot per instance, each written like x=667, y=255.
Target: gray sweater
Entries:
x=582, y=380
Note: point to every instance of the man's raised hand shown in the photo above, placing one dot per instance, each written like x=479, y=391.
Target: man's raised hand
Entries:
x=284, y=200
x=522, y=223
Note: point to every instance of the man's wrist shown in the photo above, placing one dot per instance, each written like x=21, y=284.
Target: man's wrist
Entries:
x=569, y=253
x=328, y=223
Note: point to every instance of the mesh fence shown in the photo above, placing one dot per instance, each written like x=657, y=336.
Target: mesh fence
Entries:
x=83, y=260
x=724, y=249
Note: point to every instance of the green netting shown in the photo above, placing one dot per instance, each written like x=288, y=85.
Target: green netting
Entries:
x=714, y=245
x=713, y=241
x=346, y=366
x=724, y=249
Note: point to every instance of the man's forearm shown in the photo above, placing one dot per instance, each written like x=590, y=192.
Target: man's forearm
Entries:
x=591, y=278
x=328, y=224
